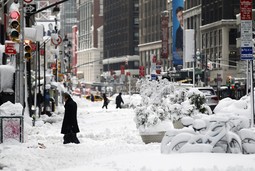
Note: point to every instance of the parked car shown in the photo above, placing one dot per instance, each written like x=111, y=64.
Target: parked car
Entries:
x=97, y=98
x=211, y=97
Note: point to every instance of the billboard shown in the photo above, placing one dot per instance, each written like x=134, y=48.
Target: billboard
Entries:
x=49, y=27
x=177, y=16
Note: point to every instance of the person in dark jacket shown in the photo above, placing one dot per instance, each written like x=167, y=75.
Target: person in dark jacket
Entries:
x=70, y=124
x=106, y=101
x=119, y=100
x=92, y=98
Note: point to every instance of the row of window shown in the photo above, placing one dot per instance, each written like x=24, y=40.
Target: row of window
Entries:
x=117, y=66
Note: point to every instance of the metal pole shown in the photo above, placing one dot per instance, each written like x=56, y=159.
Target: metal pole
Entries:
x=194, y=63
x=19, y=82
x=44, y=77
x=248, y=77
x=39, y=78
x=35, y=89
x=252, y=94
x=206, y=74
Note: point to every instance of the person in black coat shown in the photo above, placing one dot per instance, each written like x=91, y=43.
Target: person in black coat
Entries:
x=119, y=100
x=106, y=101
x=70, y=124
x=92, y=98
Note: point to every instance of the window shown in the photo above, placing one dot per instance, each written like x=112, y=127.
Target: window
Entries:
x=136, y=7
x=136, y=21
x=101, y=8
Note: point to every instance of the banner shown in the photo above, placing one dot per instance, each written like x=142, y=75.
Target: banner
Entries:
x=177, y=17
x=164, y=36
x=189, y=49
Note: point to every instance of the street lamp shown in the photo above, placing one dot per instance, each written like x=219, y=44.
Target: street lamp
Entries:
x=196, y=57
x=67, y=52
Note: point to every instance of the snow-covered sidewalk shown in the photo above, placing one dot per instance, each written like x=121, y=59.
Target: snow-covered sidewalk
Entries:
x=109, y=142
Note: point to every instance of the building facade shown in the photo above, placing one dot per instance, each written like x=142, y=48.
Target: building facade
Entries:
x=150, y=43
x=214, y=22
x=121, y=37
x=90, y=52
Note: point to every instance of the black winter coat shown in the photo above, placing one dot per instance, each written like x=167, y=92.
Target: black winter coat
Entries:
x=70, y=123
x=119, y=100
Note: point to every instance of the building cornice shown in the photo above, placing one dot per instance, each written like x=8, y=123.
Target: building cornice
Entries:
x=221, y=23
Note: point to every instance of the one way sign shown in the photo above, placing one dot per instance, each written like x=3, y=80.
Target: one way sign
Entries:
x=30, y=8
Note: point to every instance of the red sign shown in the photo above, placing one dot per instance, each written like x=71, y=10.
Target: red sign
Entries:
x=122, y=69
x=154, y=59
x=10, y=48
x=246, y=9
x=56, y=41
x=164, y=36
x=141, y=71
x=28, y=1
x=33, y=46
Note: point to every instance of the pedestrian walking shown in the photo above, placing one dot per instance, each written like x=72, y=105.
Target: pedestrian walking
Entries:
x=106, y=101
x=119, y=100
x=92, y=98
x=70, y=124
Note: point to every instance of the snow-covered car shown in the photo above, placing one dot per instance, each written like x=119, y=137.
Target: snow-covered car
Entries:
x=211, y=97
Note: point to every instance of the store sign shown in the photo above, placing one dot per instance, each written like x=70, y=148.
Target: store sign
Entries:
x=10, y=48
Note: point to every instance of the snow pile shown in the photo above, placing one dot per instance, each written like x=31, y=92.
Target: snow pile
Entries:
x=10, y=109
x=110, y=141
x=6, y=78
x=166, y=101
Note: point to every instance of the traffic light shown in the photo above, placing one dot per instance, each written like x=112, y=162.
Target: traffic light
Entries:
x=228, y=82
x=27, y=51
x=59, y=66
x=14, y=22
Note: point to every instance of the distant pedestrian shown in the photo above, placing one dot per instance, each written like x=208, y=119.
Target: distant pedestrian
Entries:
x=119, y=100
x=70, y=124
x=92, y=98
x=106, y=101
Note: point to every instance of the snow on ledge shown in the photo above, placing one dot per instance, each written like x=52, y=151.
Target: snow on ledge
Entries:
x=10, y=109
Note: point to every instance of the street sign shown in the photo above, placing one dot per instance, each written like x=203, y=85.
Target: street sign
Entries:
x=56, y=41
x=246, y=30
x=30, y=8
x=28, y=1
x=10, y=48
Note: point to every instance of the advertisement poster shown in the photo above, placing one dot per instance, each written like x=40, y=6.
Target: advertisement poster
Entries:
x=49, y=27
x=177, y=16
x=11, y=129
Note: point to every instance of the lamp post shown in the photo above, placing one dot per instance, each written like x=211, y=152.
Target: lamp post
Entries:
x=67, y=52
x=196, y=57
x=67, y=56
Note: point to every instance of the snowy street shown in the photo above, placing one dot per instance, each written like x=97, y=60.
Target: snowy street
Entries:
x=109, y=141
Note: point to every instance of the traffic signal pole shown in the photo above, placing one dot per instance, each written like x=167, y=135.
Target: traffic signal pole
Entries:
x=252, y=94
x=19, y=73
x=28, y=63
